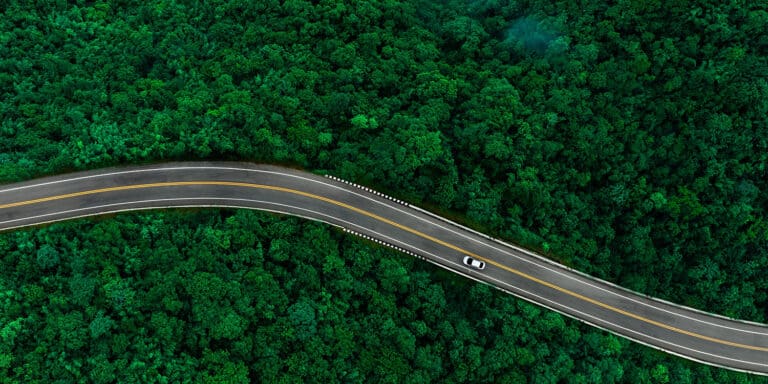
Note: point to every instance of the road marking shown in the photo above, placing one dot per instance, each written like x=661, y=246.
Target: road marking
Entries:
x=584, y=279
x=396, y=225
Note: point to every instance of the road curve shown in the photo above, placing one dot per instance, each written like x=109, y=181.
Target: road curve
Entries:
x=686, y=332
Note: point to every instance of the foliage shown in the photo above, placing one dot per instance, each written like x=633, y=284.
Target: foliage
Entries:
x=626, y=139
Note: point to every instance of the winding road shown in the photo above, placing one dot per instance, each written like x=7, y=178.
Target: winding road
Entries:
x=686, y=332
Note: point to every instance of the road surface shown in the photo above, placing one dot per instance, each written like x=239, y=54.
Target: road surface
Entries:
x=679, y=330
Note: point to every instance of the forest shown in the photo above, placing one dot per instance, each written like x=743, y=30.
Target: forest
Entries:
x=627, y=139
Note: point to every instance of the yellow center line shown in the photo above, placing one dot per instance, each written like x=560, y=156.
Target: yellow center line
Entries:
x=397, y=225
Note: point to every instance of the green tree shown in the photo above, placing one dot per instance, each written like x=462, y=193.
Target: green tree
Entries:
x=303, y=318
x=47, y=256
x=100, y=325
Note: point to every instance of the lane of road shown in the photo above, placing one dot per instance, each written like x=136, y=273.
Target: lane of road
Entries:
x=678, y=330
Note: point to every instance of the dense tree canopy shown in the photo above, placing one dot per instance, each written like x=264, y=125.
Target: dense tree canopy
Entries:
x=627, y=139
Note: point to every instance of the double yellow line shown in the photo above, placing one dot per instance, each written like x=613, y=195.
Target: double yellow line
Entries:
x=397, y=225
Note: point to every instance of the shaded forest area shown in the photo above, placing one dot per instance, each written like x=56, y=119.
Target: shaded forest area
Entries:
x=625, y=139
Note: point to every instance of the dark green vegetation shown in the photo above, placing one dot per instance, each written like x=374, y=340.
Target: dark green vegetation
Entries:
x=629, y=140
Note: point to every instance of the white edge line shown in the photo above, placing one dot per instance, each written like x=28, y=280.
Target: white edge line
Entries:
x=527, y=252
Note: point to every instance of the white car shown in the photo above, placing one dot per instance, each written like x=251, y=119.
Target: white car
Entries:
x=476, y=264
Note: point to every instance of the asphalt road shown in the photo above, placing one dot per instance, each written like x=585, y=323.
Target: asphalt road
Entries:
x=682, y=331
